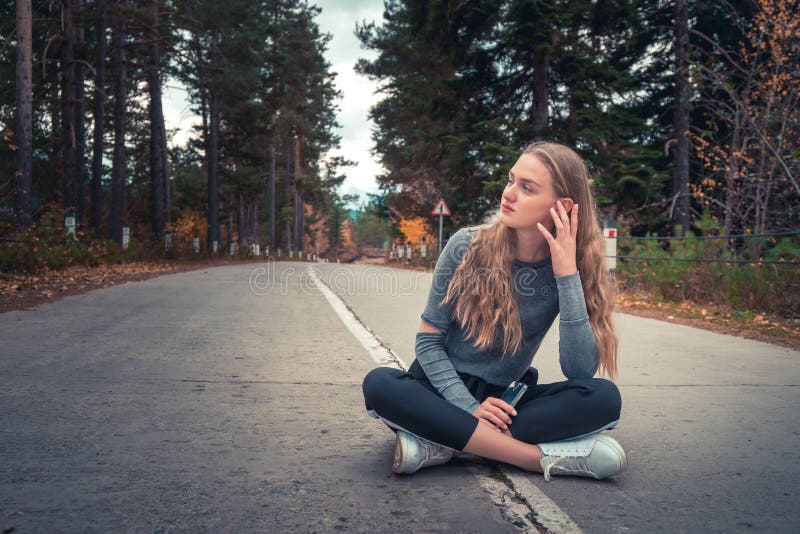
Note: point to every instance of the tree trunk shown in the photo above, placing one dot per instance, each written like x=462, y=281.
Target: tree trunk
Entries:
x=680, y=215
x=240, y=221
x=206, y=112
x=167, y=203
x=54, y=144
x=541, y=76
x=118, y=170
x=298, y=207
x=301, y=222
x=213, y=163
x=229, y=234
x=762, y=223
x=156, y=129
x=255, y=234
x=80, y=124
x=272, y=197
x=732, y=171
x=203, y=90
x=99, y=120
x=213, y=146
x=288, y=198
x=24, y=114
x=296, y=218
x=68, y=133
x=165, y=174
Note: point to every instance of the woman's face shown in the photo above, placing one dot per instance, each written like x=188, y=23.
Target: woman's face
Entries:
x=528, y=195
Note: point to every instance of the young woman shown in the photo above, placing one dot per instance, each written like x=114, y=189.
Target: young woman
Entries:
x=496, y=291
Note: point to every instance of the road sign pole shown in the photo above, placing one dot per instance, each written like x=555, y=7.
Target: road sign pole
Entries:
x=441, y=219
x=441, y=210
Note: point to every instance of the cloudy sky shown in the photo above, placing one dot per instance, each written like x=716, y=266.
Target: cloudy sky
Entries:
x=338, y=17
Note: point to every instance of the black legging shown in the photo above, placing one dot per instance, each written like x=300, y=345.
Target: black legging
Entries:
x=546, y=412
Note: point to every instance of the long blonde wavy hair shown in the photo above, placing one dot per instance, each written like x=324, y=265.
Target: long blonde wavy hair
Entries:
x=484, y=281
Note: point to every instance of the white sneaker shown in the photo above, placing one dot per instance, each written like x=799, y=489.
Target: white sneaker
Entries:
x=412, y=453
x=597, y=456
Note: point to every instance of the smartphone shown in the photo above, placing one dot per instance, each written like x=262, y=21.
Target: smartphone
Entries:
x=514, y=392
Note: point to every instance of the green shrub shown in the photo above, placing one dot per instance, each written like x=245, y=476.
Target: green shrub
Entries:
x=47, y=245
x=44, y=245
x=750, y=286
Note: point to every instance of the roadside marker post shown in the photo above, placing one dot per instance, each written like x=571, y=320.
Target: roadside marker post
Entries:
x=610, y=235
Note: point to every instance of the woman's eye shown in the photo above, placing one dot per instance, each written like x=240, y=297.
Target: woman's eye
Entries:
x=527, y=189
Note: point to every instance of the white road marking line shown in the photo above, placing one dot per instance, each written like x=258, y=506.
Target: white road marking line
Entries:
x=546, y=512
x=521, y=502
x=378, y=351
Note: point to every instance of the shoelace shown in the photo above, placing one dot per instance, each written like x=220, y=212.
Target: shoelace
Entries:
x=434, y=452
x=566, y=463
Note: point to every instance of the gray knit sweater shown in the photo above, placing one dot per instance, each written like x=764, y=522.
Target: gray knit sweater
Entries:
x=540, y=297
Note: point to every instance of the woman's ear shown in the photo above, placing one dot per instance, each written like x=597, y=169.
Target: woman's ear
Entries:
x=567, y=203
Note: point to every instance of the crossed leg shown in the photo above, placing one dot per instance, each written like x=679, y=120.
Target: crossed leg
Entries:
x=547, y=412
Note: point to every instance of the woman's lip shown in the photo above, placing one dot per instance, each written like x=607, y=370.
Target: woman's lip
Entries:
x=506, y=207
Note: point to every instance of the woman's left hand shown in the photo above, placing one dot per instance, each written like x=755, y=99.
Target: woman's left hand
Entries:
x=563, y=246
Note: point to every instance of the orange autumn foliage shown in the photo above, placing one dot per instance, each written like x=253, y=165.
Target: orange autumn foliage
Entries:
x=414, y=229
x=317, y=239
x=348, y=235
x=189, y=225
x=745, y=171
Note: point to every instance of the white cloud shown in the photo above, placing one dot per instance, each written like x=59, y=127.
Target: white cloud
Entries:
x=178, y=116
x=339, y=18
x=358, y=97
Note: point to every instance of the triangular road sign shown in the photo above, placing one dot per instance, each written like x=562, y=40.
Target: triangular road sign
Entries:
x=441, y=208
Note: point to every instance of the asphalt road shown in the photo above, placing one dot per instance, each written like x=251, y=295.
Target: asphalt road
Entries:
x=228, y=399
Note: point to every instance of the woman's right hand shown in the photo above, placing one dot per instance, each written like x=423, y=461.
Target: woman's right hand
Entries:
x=495, y=412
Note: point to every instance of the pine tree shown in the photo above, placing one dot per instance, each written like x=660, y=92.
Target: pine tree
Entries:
x=96, y=195
x=159, y=172
x=437, y=123
x=469, y=84
x=24, y=182
x=119, y=172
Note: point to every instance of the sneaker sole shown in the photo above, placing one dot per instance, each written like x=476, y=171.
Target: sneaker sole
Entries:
x=397, y=461
x=406, y=443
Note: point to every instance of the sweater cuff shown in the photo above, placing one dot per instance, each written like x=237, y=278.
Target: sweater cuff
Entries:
x=571, y=301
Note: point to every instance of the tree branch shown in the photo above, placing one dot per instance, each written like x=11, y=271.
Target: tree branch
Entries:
x=719, y=49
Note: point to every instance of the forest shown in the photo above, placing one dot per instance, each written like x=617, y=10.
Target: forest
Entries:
x=687, y=113
x=81, y=112
x=683, y=109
